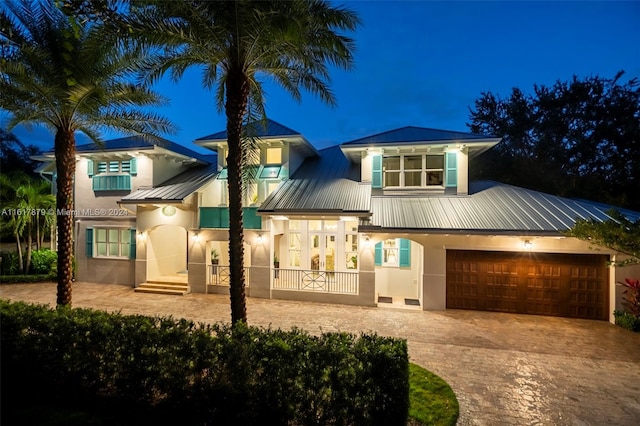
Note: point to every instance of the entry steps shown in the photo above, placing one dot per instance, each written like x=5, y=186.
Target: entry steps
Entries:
x=173, y=285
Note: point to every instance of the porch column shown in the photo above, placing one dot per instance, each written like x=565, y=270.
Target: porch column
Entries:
x=367, y=273
x=261, y=255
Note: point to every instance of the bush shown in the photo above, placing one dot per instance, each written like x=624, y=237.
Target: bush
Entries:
x=15, y=279
x=44, y=261
x=9, y=263
x=627, y=320
x=176, y=371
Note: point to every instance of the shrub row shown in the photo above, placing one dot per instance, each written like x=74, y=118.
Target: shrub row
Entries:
x=14, y=279
x=43, y=262
x=179, y=372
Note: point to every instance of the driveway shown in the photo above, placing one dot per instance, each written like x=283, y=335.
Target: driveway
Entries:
x=504, y=368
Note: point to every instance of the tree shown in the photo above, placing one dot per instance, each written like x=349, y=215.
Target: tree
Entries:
x=577, y=139
x=72, y=77
x=618, y=233
x=238, y=44
x=16, y=156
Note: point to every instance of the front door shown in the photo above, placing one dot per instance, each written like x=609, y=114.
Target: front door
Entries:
x=323, y=252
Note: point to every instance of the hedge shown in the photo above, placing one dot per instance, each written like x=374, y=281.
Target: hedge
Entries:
x=176, y=371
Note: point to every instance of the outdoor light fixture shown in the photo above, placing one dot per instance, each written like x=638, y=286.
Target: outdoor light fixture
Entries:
x=259, y=238
x=527, y=245
x=367, y=243
x=196, y=237
x=168, y=211
x=141, y=235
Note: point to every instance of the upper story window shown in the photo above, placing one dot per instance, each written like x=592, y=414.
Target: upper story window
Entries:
x=112, y=175
x=273, y=156
x=413, y=170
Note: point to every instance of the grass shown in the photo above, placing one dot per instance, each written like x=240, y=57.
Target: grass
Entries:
x=431, y=399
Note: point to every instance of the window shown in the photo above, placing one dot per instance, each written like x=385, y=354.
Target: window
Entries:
x=116, y=166
x=111, y=242
x=295, y=246
x=351, y=244
x=390, y=253
x=413, y=171
x=393, y=252
x=274, y=156
x=435, y=170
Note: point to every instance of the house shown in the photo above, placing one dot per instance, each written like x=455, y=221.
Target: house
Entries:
x=386, y=220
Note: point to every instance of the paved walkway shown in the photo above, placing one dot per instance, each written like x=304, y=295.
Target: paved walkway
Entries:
x=504, y=368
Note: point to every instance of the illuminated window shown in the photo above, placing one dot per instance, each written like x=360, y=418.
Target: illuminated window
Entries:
x=408, y=171
x=274, y=156
x=112, y=242
x=351, y=244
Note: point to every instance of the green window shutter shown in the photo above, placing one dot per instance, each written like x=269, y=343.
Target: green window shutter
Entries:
x=132, y=244
x=89, y=244
x=133, y=167
x=90, y=168
x=405, y=252
x=452, y=169
x=378, y=254
x=376, y=172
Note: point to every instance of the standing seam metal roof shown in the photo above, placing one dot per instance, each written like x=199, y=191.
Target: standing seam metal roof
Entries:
x=491, y=206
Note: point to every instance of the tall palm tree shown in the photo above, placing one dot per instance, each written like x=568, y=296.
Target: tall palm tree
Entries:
x=72, y=76
x=239, y=44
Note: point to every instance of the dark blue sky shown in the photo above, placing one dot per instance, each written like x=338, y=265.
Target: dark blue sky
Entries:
x=423, y=63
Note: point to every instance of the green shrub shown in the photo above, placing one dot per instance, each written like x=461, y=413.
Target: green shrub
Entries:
x=9, y=264
x=44, y=261
x=14, y=279
x=176, y=371
x=627, y=320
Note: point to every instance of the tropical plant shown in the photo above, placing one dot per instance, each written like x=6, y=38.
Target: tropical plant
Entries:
x=71, y=76
x=631, y=295
x=617, y=233
x=238, y=44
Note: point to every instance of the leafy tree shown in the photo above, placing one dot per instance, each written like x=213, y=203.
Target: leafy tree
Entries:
x=238, y=44
x=72, y=76
x=16, y=156
x=579, y=138
x=618, y=233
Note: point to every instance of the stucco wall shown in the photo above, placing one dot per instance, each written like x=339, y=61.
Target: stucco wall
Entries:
x=102, y=270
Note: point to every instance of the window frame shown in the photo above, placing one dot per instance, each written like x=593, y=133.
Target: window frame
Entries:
x=424, y=171
x=124, y=248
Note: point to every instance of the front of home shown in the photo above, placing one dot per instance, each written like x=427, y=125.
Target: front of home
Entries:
x=386, y=220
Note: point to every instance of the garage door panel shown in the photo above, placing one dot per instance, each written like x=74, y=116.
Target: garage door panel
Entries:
x=533, y=283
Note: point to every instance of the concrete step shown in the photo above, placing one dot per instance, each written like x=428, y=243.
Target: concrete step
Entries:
x=162, y=288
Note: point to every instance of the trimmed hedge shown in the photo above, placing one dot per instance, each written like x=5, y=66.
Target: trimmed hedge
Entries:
x=173, y=370
x=19, y=279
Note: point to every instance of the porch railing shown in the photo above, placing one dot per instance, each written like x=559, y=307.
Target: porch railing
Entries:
x=314, y=280
x=219, y=275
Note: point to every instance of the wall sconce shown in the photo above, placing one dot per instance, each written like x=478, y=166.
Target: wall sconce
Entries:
x=366, y=241
x=259, y=239
x=141, y=236
x=527, y=245
x=196, y=237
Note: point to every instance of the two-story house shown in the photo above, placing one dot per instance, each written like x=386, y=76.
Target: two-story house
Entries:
x=386, y=220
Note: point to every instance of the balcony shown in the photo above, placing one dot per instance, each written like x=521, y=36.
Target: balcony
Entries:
x=218, y=217
x=112, y=182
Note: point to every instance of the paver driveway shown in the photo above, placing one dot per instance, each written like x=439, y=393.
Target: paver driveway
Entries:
x=504, y=369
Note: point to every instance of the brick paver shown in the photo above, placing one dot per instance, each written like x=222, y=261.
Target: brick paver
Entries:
x=504, y=369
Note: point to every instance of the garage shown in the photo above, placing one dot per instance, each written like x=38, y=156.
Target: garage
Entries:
x=565, y=285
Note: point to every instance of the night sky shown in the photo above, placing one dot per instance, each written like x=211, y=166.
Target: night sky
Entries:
x=423, y=63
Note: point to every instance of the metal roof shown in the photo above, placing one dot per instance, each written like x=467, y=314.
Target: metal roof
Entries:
x=141, y=143
x=491, y=207
x=272, y=129
x=411, y=134
x=175, y=189
x=325, y=184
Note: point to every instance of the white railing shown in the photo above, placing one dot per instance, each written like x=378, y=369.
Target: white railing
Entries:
x=219, y=275
x=314, y=280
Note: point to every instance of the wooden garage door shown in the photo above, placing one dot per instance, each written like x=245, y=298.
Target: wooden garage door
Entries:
x=565, y=285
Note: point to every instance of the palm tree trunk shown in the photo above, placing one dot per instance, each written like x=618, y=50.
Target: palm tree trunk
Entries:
x=65, y=146
x=237, y=88
x=27, y=263
x=19, y=247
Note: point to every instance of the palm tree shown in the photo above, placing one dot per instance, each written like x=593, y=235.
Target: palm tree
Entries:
x=238, y=44
x=72, y=76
